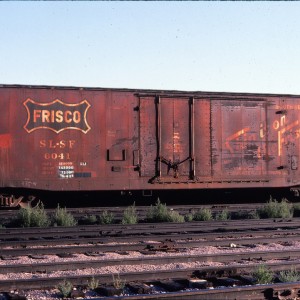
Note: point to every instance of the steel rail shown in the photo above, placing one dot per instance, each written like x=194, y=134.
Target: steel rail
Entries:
x=239, y=238
x=138, y=244
x=162, y=228
x=148, y=276
x=234, y=258
x=257, y=292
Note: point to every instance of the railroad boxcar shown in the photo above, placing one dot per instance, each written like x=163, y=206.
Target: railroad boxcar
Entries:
x=140, y=142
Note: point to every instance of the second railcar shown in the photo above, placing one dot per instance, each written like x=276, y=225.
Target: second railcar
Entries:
x=139, y=141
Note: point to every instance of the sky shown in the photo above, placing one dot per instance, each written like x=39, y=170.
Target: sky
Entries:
x=190, y=46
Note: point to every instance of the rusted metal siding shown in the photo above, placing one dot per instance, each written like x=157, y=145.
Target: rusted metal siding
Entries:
x=237, y=145
x=202, y=138
x=175, y=138
x=235, y=142
x=167, y=140
x=149, y=146
x=52, y=151
x=285, y=128
x=5, y=137
x=121, y=139
x=107, y=139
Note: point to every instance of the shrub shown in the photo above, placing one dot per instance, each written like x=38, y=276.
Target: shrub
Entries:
x=62, y=218
x=130, y=215
x=289, y=276
x=223, y=215
x=262, y=275
x=189, y=217
x=23, y=218
x=33, y=217
x=118, y=282
x=65, y=288
x=93, y=283
x=157, y=213
x=160, y=213
x=253, y=215
x=106, y=217
x=204, y=214
x=275, y=209
x=174, y=216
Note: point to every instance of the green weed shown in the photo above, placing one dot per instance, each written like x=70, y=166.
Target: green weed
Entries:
x=65, y=288
x=204, y=214
x=33, y=217
x=160, y=213
x=106, y=217
x=118, y=283
x=223, y=215
x=275, y=209
x=130, y=215
x=93, y=283
x=62, y=218
x=289, y=276
x=262, y=275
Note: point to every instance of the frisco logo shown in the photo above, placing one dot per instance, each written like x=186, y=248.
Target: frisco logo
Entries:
x=56, y=116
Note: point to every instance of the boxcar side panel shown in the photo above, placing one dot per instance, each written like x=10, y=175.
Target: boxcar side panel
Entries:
x=239, y=148
x=202, y=139
x=106, y=139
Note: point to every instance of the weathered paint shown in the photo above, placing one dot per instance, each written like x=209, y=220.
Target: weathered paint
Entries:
x=112, y=139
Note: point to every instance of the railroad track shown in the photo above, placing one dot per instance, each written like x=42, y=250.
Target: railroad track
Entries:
x=138, y=243
x=235, y=274
x=148, y=239
x=198, y=233
x=147, y=228
x=290, y=256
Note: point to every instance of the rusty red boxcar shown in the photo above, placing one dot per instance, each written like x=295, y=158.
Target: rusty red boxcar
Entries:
x=140, y=141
